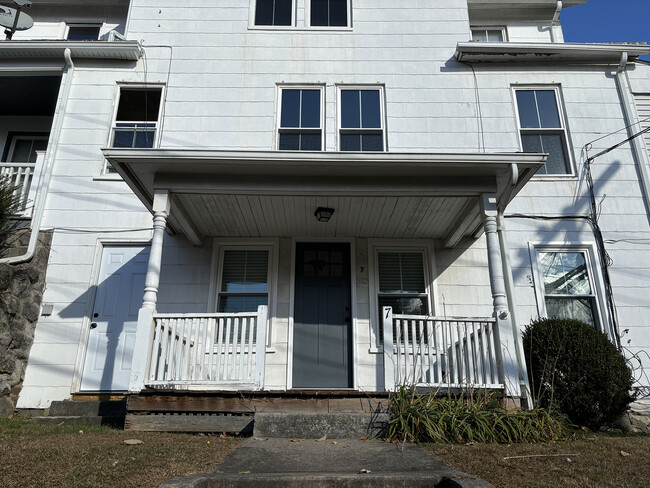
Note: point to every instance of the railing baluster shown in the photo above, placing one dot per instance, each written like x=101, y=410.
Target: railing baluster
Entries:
x=211, y=326
x=162, y=366
x=217, y=375
x=398, y=341
x=203, y=349
x=233, y=348
x=226, y=350
x=430, y=330
x=196, y=350
x=155, y=350
x=242, y=348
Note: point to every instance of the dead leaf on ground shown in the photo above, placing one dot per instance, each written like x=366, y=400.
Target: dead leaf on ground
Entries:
x=364, y=437
x=133, y=442
x=321, y=439
x=334, y=442
x=244, y=472
x=297, y=440
x=625, y=454
x=365, y=471
x=261, y=438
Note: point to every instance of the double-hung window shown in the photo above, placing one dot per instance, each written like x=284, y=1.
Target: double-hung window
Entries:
x=568, y=285
x=273, y=12
x=301, y=124
x=244, y=283
x=542, y=128
x=361, y=120
x=401, y=284
x=23, y=147
x=137, y=117
x=329, y=13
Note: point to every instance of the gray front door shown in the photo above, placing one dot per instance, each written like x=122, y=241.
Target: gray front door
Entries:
x=322, y=332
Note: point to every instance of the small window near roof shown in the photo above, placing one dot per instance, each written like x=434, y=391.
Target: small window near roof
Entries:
x=273, y=12
x=83, y=32
x=329, y=13
x=483, y=34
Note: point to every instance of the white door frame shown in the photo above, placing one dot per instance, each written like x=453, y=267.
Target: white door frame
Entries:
x=90, y=304
x=353, y=299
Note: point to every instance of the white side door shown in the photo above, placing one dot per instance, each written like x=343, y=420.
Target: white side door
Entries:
x=114, y=319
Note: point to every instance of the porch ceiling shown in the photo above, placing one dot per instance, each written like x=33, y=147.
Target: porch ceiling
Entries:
x=239, y=194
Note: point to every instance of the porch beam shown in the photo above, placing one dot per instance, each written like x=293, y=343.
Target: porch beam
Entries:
x=185, y=222
x=145, y=329
x=468, y=218
x=506, y=350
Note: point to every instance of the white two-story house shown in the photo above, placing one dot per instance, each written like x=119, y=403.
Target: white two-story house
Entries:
x=290, y=196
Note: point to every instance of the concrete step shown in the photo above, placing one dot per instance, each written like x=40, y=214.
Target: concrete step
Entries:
x=328, y=463
x=317, y=425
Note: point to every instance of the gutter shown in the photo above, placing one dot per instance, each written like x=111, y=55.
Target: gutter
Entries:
x=50, y=155
x=631, y=119
x=510, y=285
x=556, y=18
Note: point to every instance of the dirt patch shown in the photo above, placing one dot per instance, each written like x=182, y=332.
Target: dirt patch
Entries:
x=83, y=456
x=601, y=460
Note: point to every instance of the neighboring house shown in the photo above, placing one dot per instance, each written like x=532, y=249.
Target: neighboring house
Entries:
x=345, y=194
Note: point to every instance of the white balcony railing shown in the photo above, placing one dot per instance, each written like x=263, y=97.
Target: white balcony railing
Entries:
x=208, y=351
x=20, y=176
x=440, y=352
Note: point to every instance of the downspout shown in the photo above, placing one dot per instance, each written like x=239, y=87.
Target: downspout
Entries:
x=632, y=118
x=50, y=155
x=556, y=19
x=510, y=285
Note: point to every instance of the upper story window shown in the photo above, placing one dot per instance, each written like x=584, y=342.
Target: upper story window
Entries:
x=488, y=34
x=542, y=129
x=273, y=12
x=83, y=32
x=329, y=13
x=23, y=147
x=301, y=121
x=137, y=117
x=361, y=126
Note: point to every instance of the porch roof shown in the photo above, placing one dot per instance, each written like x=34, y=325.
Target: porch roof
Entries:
x=275, y=193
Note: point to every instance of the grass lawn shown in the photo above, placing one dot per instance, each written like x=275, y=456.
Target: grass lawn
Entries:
x=33, y=455
x=594, y=460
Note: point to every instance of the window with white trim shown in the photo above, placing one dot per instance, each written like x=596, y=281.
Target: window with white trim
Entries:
x=244, y=280
x=83, y=32
x=567, y=284
x=542, y=128
x=329, y=13
x=401, y=283
x=301, y=119
x=273, y=13
x=361, y=119
x=488, y=34
x=23, y=147
x=137, y=117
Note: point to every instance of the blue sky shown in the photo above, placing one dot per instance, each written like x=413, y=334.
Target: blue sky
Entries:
x=608, y=21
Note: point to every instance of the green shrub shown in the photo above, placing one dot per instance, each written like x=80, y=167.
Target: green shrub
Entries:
x=577, y=370
x=423, y=417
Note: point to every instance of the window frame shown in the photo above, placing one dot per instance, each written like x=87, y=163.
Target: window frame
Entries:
x=253, y=11
x=12, y=137
x=486, y=28
x=602, y=320
x=66, y=33
x=106, y=170
x=219, y=247
x=376, y=246
x=563, y=130
x=288, y=130
x=326, y=27
x=382, y=114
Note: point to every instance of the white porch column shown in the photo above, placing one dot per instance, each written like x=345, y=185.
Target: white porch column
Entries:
x=144, y=332
x=507, y=352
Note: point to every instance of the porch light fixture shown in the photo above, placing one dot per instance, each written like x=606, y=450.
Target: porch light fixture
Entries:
x=323, y=214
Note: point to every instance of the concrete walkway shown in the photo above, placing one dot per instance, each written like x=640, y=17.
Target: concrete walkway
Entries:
x=350, y=463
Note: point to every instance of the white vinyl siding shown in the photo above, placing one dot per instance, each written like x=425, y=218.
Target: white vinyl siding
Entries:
x=643, y=109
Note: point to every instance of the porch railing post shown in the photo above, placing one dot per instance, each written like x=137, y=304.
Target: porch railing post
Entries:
x=144, y=331
x=506, y=346
x=389, y=359
x=260, y=346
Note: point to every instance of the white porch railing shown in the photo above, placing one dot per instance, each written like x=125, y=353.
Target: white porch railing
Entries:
x=440, y=352
x=19, y=175
x=208, y=351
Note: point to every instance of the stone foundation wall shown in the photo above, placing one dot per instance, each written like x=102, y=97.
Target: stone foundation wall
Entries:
x=21, y=292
